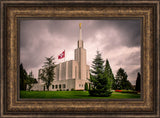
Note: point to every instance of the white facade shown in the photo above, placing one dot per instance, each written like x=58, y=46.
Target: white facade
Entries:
x=71, y=74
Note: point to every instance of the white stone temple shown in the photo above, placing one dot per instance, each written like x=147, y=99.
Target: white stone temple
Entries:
x=71, y=74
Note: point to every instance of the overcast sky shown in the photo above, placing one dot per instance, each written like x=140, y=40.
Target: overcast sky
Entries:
x=117, y=40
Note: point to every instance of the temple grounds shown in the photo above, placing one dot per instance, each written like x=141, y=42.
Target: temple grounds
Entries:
x=73, y=95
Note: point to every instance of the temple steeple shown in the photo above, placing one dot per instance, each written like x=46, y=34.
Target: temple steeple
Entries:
x=80, y=41
x=80, y=31
x=80, y=56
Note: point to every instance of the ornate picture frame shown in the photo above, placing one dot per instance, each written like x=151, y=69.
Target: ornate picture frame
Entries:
x=13, y=106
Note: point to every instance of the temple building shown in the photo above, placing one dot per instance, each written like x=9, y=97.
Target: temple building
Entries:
x=69, y=75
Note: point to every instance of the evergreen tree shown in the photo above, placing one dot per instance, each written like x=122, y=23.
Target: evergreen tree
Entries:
x=99, y=78
x=122, y=77
x=86, y=87
x=108, y=72
x=47, y=74
x=138, y=82
x=23, y=77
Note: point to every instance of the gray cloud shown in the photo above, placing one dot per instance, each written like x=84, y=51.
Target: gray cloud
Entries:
x=117, y=40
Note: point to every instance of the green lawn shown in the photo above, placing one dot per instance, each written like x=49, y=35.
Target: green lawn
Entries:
x=73, y=95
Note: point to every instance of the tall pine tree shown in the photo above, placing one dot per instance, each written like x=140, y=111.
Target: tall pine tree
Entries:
x=109, y=73
x=23, y=78
x=138, y=82
x=99, y=78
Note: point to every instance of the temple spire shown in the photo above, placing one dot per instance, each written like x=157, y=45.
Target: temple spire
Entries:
x=80, y=31
x=80, y=41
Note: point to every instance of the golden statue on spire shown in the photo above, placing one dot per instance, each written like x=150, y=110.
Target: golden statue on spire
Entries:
x=80, y=24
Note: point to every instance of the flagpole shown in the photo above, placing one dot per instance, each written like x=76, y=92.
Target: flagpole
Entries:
x=64, y=55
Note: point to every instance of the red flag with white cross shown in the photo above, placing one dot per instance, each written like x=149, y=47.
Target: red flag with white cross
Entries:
x=62, y=55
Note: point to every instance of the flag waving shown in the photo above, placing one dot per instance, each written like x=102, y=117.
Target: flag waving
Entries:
x=62, y=55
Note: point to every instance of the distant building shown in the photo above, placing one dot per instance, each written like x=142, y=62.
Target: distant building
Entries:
x=71, y=74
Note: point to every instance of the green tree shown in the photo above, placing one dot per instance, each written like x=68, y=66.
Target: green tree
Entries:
x=109, y=74
x=47, y=74
x=98, y=78
x=30, y=80
x=121, y=80
x=138, y=82
x=117, y=83
x=129, y=85
x=86, y=87
x=23, y=77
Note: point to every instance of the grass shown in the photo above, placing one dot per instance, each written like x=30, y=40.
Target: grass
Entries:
x=73, y=95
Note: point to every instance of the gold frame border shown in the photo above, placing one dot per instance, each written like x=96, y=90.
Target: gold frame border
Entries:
x=11, y=11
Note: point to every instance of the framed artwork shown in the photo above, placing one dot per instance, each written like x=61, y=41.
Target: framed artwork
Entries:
x=73, y=71
x=79, y=59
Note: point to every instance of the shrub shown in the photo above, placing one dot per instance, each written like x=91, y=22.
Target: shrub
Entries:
x=118, y=90
x=89, y=86
x=86, y=87
x=126, y=91
x=100, y=93
x=129, y=91
x=72, y=89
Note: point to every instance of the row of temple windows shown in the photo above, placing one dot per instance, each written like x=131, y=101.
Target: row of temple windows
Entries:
x=62, y=86
x=80, y=85
x=58, y=86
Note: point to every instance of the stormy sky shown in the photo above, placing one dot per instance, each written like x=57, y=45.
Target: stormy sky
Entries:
x=117, y=40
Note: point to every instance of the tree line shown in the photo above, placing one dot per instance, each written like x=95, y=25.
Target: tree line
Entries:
x=26, y=80
x=47, y=75
x=102, y=79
